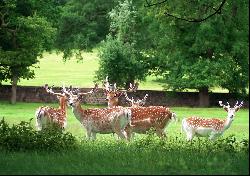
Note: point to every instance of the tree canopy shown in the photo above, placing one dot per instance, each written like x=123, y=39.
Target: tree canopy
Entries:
x=120, y=58
x=24, y=36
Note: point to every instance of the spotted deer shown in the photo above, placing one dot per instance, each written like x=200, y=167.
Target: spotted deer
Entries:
x=145, y=118
x=99, y=120
x=46, y=115
x=113, y=94
x=209, y=127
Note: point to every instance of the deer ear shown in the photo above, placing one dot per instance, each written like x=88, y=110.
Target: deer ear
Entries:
x=237, y=108
x=226, y=109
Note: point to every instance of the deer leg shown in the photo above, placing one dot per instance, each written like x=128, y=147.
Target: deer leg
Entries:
x=213, y=136
x=93, y=136
x=88, y=134
x=161, y=133
x=129, y=132
x=119, y=132
x=190, y=135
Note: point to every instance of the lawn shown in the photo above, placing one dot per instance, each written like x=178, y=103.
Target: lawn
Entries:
x=143, y=155
x=54, y=71
x=25, y=111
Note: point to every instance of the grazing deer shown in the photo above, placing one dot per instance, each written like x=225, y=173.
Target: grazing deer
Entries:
x=46, y=115
x=113, y=93
x=99, y=120
x=211, y=128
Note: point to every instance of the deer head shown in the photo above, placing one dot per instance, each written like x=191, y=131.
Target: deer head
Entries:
x=75, y=96
x=231, y=111
x=113, y=93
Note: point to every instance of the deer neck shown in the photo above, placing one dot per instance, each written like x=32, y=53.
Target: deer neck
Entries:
x=78, y=112
x=227, y=123
x=63, y=104
x=113, y=102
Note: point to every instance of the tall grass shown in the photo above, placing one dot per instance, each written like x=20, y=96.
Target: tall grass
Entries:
x=147, y=155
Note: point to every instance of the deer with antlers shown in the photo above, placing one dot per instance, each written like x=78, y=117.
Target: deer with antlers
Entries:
x=144, y=118
x=113, y=93
x=99, y=120
x=212, y=127
x=46, y=115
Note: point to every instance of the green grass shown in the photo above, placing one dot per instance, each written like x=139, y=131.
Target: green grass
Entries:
x=143, y=155
x=54, y=71
x=25, y=111
x=119, y=158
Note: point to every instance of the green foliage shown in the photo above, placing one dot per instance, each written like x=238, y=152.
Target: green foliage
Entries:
x=83, y=25
x=207, y=54
x=22, y=137
x=120, y=58
x=121, y=62
x=24, y=36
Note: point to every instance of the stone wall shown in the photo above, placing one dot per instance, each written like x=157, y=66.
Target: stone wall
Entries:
x=38, y=94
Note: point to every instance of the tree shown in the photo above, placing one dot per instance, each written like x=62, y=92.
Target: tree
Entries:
x=189, y=15
x=82, y=26
x=120, y=57
x=24, y=35
x=205, y=55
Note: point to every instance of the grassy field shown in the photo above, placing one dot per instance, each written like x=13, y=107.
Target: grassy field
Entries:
x=54, y=71
x=143, y=155
x=24, y=111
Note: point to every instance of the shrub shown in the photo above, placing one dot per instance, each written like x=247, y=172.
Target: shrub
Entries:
x=23, y=137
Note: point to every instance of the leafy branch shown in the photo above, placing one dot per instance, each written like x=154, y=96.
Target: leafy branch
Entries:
x=197, y=20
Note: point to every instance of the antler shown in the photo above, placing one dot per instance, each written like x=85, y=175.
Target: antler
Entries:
x=50, y=91
x=224, y=106
x=130, y=100
x=138, y=102
x=142, y=101
x=109, y=87
x=237, y=107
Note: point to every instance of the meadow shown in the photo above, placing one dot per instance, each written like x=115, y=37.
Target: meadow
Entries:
x=52, y=70
x=146, y=154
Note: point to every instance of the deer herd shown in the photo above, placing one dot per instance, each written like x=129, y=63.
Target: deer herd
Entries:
x=125, y=121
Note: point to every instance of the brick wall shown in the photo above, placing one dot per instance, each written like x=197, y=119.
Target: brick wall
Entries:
x=38, y=94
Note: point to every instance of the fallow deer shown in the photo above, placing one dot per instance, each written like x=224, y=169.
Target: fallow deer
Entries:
x=46, y=115
x=99, y=120
x=211, y=127
x=144, y=118
x=113, y=94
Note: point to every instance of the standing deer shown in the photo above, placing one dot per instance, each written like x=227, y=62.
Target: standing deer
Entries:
x=99, y=120
x=46, y=115
x=212, y=127
x=144, y=118
x=113, y=93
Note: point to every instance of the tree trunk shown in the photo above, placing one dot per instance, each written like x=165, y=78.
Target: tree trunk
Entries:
x=203, y=97
x=13, y=90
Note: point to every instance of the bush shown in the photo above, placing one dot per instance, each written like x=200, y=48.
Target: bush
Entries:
x=23, y=137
